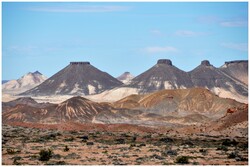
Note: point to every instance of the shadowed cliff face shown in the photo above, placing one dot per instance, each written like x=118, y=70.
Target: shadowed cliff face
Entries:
x=77, y=78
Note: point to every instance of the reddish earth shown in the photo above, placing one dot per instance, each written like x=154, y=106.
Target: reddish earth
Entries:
x=72, y=126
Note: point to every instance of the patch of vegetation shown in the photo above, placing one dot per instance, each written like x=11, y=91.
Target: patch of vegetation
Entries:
x=155, y=156
x=120, y=141
x=17, y=158
x=66, y=148
x=125, y=135
x=147, y=136
x=10, y=151
x=239, y=158
x=45, y=155
x=182, y=160
x=244, y=146
x=166, y=140
x=228, y=142
x=188, y=143
x=49, y=136
x=134, y=139
x=170, y=152
x=15, y=162
x=233, y=155
x=141, y=145
x=203, y=151
x=105, y=152
x=69, y=139
x=85, y=138
x=90, y=143
x=74, y=132
x=195, y=163
x=223, y=148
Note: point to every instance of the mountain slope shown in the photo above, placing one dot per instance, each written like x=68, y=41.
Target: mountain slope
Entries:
x=233, y=123
x=179, y=102
x=163, y=75
x=26, y=82
x=78, y=78
x=207, y=76
x=237, y=69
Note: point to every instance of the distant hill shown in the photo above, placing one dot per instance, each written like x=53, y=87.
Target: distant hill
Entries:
x=26, y=82
x=4, y=81
x=125, y=78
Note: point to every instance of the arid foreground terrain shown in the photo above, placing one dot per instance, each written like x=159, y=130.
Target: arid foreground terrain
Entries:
x=96, y=144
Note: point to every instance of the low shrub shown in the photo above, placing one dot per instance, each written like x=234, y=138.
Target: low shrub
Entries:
x=66, y=149
x=228, y=142
x=69, y=139
x=182, y=160
x=223, y=148
x=120, y=141
x=232, y=155
x=85, y=138
x=10, y=151
x=45, y=155
x=170, y=152
x=166, y=140
x=90, y=143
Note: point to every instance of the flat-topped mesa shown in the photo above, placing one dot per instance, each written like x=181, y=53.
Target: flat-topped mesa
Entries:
x=205, y=63
x=236, y=61
x=80, y=62
x=164, y=61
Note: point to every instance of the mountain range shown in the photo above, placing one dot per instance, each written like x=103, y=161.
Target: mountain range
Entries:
x=227, y=81
x=81, y=78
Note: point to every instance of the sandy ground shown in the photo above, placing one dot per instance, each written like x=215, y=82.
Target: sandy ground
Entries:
x=22, y=146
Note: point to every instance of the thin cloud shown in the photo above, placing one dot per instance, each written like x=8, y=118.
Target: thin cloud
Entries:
x=79, y=9
x=234, y=23
x=158, y=49
x=187, y=33
x=208, y=19
x=236, y=46
x=156, y=32
x=229, y=22
x=26, y=49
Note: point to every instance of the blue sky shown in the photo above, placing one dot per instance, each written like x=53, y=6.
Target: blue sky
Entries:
x=118, y=37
